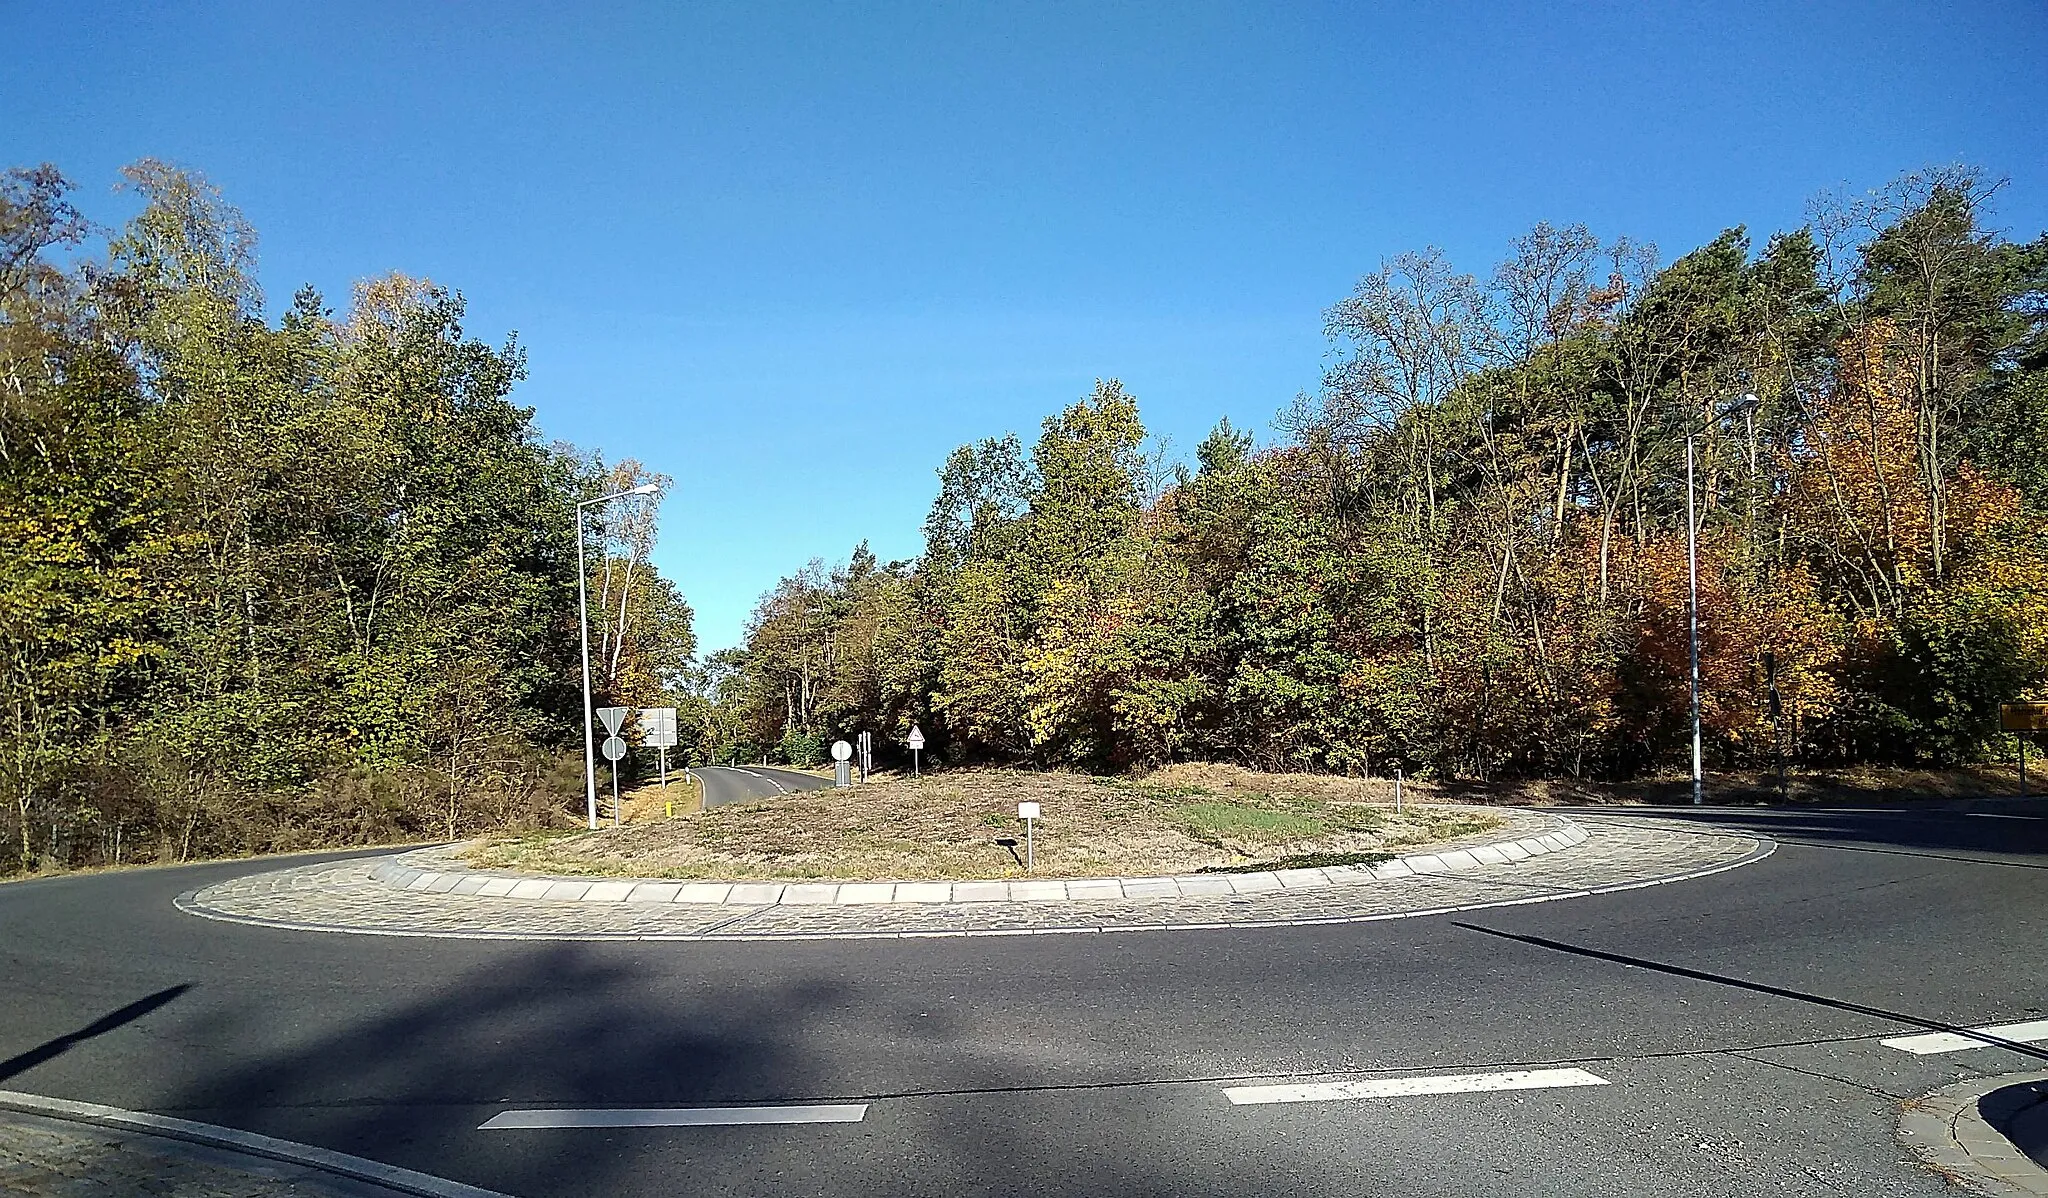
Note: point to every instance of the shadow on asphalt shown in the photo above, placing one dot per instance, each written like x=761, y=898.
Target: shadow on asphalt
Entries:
x=547, y=1027
x=579, y=1026
x=2005, y=829
x=1722, y=979
x=51, y=1049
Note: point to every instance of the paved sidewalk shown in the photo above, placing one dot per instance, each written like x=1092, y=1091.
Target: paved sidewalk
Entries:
x=1965, y=1131
x=1591, y=856
x=45, y=1157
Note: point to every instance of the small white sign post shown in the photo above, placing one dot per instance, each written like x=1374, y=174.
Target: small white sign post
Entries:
x=842, y=773
x=916, y=747
x=614, y=718
x=658, y=729
x=1028, y=812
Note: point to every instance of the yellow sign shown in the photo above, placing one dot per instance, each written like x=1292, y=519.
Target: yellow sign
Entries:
x=2023, y=717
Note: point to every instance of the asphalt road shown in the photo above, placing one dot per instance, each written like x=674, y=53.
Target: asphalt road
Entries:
x=752, y=783
x=1093, y=1065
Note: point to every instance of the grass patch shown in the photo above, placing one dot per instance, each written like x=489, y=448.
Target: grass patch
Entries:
x=954, y=825
x=1223, y=823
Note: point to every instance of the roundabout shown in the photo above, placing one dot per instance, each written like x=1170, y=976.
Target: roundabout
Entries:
x=1535, y=857
x=1724, y=1002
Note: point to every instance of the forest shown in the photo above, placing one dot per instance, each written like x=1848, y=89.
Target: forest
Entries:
x=1465, y=554
x=275, y=584
x=309, y=579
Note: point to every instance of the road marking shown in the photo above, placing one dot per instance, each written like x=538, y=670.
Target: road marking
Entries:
x=1999, y=815
x=1933, y=1042
x=1402, y=1087
x=386, y=1177
x=779, y=788
x=699, y=1116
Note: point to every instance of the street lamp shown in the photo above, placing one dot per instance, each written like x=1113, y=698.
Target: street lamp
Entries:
x=583, y=627
x=1748, y=403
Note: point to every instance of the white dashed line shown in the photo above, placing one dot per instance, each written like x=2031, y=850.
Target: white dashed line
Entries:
x=780, y=789
x=1403, y=1087
x=700, y=1116
x=1933, y=1042
x=1999, y=815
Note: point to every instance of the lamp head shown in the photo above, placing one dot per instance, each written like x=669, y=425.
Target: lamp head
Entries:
x=644, y=489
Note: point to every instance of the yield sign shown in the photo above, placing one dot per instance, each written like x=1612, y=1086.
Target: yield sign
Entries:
x=612, y=718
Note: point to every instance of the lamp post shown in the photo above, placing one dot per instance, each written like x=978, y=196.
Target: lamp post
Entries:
x=583, y=629
x=1748, y=403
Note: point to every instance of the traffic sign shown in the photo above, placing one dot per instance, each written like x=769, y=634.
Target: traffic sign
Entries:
x=916, y=737
x=612, y=718
x=658, y=727
x=2023, y=717
x=841, y=751
x=613, y=748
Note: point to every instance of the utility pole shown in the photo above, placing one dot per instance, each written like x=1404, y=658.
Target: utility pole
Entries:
x=1747, y=405
x=1692, y=573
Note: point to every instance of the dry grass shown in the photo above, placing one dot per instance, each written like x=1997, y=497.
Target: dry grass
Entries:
x=963, y=824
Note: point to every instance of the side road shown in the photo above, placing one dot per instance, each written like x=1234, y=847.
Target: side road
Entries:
x=1571, y=858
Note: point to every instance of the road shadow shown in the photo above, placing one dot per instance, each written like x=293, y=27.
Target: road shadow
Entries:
x=120, y=1017
x=1993, y=833
x=606, y=1026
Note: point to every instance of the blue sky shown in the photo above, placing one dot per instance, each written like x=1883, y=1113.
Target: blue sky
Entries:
x=792, y=254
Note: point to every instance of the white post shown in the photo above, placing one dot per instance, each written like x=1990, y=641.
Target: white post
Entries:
x=583, y=628
x=1692, y=573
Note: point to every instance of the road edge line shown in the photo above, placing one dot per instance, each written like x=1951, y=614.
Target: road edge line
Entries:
x=342, y=1164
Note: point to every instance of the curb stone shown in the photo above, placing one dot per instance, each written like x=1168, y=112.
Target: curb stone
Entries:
x=344, y=897
x=1956, y=1132
x=430, y=871
x=225, y=1152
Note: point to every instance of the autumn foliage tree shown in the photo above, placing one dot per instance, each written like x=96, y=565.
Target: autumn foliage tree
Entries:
x=1467, y=552
x=275, y=581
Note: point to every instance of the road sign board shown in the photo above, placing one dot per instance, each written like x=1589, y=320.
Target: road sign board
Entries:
x=658, y=727
x=612, y=718
x=2023, y=717
x=916, y=737
x=1027, y=811
x=614, y=748
x=841, y=751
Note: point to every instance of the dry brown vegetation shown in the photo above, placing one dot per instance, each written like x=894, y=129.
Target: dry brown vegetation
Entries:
x=963, y=824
